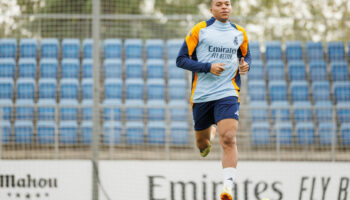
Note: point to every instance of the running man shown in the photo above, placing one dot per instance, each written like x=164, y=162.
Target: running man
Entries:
x=217, y=53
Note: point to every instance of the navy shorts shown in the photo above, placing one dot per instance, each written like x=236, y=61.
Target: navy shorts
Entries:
x=207, y=113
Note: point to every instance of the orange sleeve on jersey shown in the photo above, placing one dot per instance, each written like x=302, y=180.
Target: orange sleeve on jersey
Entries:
x=244, y=45
x=193, y=37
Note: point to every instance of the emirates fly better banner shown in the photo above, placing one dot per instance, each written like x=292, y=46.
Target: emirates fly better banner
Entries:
x=201, y=180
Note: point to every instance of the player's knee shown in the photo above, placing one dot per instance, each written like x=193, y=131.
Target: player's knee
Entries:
x=202, y=143
x=229, y=139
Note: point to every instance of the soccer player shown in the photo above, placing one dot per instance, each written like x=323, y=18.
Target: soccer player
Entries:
x=217, y=53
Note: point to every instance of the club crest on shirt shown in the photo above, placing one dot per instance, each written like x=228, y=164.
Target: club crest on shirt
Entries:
x=235, y=41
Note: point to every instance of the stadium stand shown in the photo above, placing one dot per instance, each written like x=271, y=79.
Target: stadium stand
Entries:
x=8, y=48
x=112, y=48
x=133, y=48
x=70, y=48
x=7, y=67
x=113, y=68
x=112, y=133
x=49, y=48
x=154, y=49
x=297, y=71
x=27, y=68
x=255, y=50
x=339, y=71
x=28, y=48
x=294, y=50
x=46, y=132
x=335, y=51
x=318, y=70
x=314, y=51
x=172, y=48
x=87, y=48
x=275, y=70
x=261, y=133
x=273, y=50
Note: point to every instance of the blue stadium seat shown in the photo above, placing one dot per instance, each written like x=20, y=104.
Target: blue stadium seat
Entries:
x=179, y=133
x=178, y=110
x=87, y=102
x=299, y=91
x=335, y=51
x=23, y=132
x=8, y=48
x=156, y=99
x=70, y=68
x=47, y=99
x=113, y=91
x=341, y=91
x=49, y=48
x=86, y=132
x=261, y=133
x=5, y=131
x=327, y=133
x=257, y=90
x=258, y=73
x=273, y=50
x=134, y=133
x=275, y=70
x=134, y=99
x=305, y=133
x=294, y=51
x=339, y=71
x=175, y=72
x=27, y=68
x=6, y=109
x=28, y=48
x=133, y=48
x=6, y=90
x=173, y=47
x=345, y=134
x=177, y=90
x=302, y=111
x=134, y=89
x=68, y=132
x=156, y=132
x=154, y=49
x=7, y=67
x=69, y=99
x=112, y=133
x=69, y=89
x=110, y=114
x=48, y=68
x=87, y=68
x=314, y=51
x=113, y=48
x=285, y=132
x=318, y=70
x=323, y=111
x=70, y=48
x=343, y=112
x=46, y=132
x=134, y=110
x=87, y=48
x=321, y=91
x=155, y=68
x=255, y=50
x=259, y=111
x=296, y=70
x=134, y=68
x=280, y=111
x=278, y=91
x=25, y=99
x=113, y=68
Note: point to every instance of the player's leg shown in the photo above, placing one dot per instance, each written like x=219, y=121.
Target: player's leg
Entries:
x=227, y=132
x=203, y=140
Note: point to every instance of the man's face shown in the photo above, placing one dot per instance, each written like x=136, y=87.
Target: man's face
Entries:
x=221, y=9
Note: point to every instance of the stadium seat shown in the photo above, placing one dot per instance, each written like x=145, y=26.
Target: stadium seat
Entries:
x=177, y=90
x=324, y=111
x=6, y=95
x=70, y=48
x=134, y=68
x=259, y=111
x=156, y=99
x=280, y=111
x=134, y=133
x=258, y=74
x=87, y=48
x=257, y=90
x=134, y=99
x=5, y=131
x=341, y=91
x=23, y=132
x=87, y=68
x=175, y=72
x=155, y=68
x=321, y=91
x=70, y=68
x=68, y=132
x=261, y=133
x=299, y=91
x=112, y=133
x=25, y=99
x=343, y=112
x=69, y=99
x=345, y=134
x=134, y=110
x=339, y=71
x=178, y=110
x=156, y=132
x=86, y=132
x=47, y=99
x=154, y=49
x=275, y=70
x=314, y=51
x=8, y=48
x=113, y=91
x=173, y=47
x=335, y=51
x=305, y=133
x=179, y=133
x=112, y=48
x=133, y=48
x=255, y=50
x=49, y=48
x=27, y=68
x=318, y=70
x=327, y=133
x=273, y=50
x=46, y=132
x=278, y=91
x=134, y=89
x=302, y=111
x=87, y=99
x=113, y=68
x=349, y=51
x=296, y=70
x=48, y=68
x=6, y=110
x=28, y=48
x=294, y=51
x=285, y=132
x=7, y=67
x=110, y=114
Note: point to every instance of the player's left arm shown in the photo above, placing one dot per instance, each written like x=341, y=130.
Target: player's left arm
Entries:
x=243, y=53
